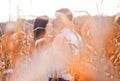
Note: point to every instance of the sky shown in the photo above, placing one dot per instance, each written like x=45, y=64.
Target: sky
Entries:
x=28, y=8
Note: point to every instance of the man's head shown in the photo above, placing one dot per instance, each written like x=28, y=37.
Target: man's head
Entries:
x=66, y=12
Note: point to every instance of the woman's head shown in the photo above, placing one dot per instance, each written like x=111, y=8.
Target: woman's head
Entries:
x=40, y=24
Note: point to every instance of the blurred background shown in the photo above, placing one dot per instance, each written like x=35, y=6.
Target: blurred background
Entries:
x=95, y=37
x=10, y=9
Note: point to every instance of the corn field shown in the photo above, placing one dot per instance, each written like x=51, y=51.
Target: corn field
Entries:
x=96, y=59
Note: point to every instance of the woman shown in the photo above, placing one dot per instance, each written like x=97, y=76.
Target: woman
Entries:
x=39, y=26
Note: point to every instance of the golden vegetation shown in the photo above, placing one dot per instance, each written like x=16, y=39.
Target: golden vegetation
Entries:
x=100, y=50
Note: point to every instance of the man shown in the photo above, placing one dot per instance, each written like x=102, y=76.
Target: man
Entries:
x=66, y=42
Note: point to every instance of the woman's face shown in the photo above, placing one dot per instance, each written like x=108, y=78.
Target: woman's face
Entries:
x=49, y=28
